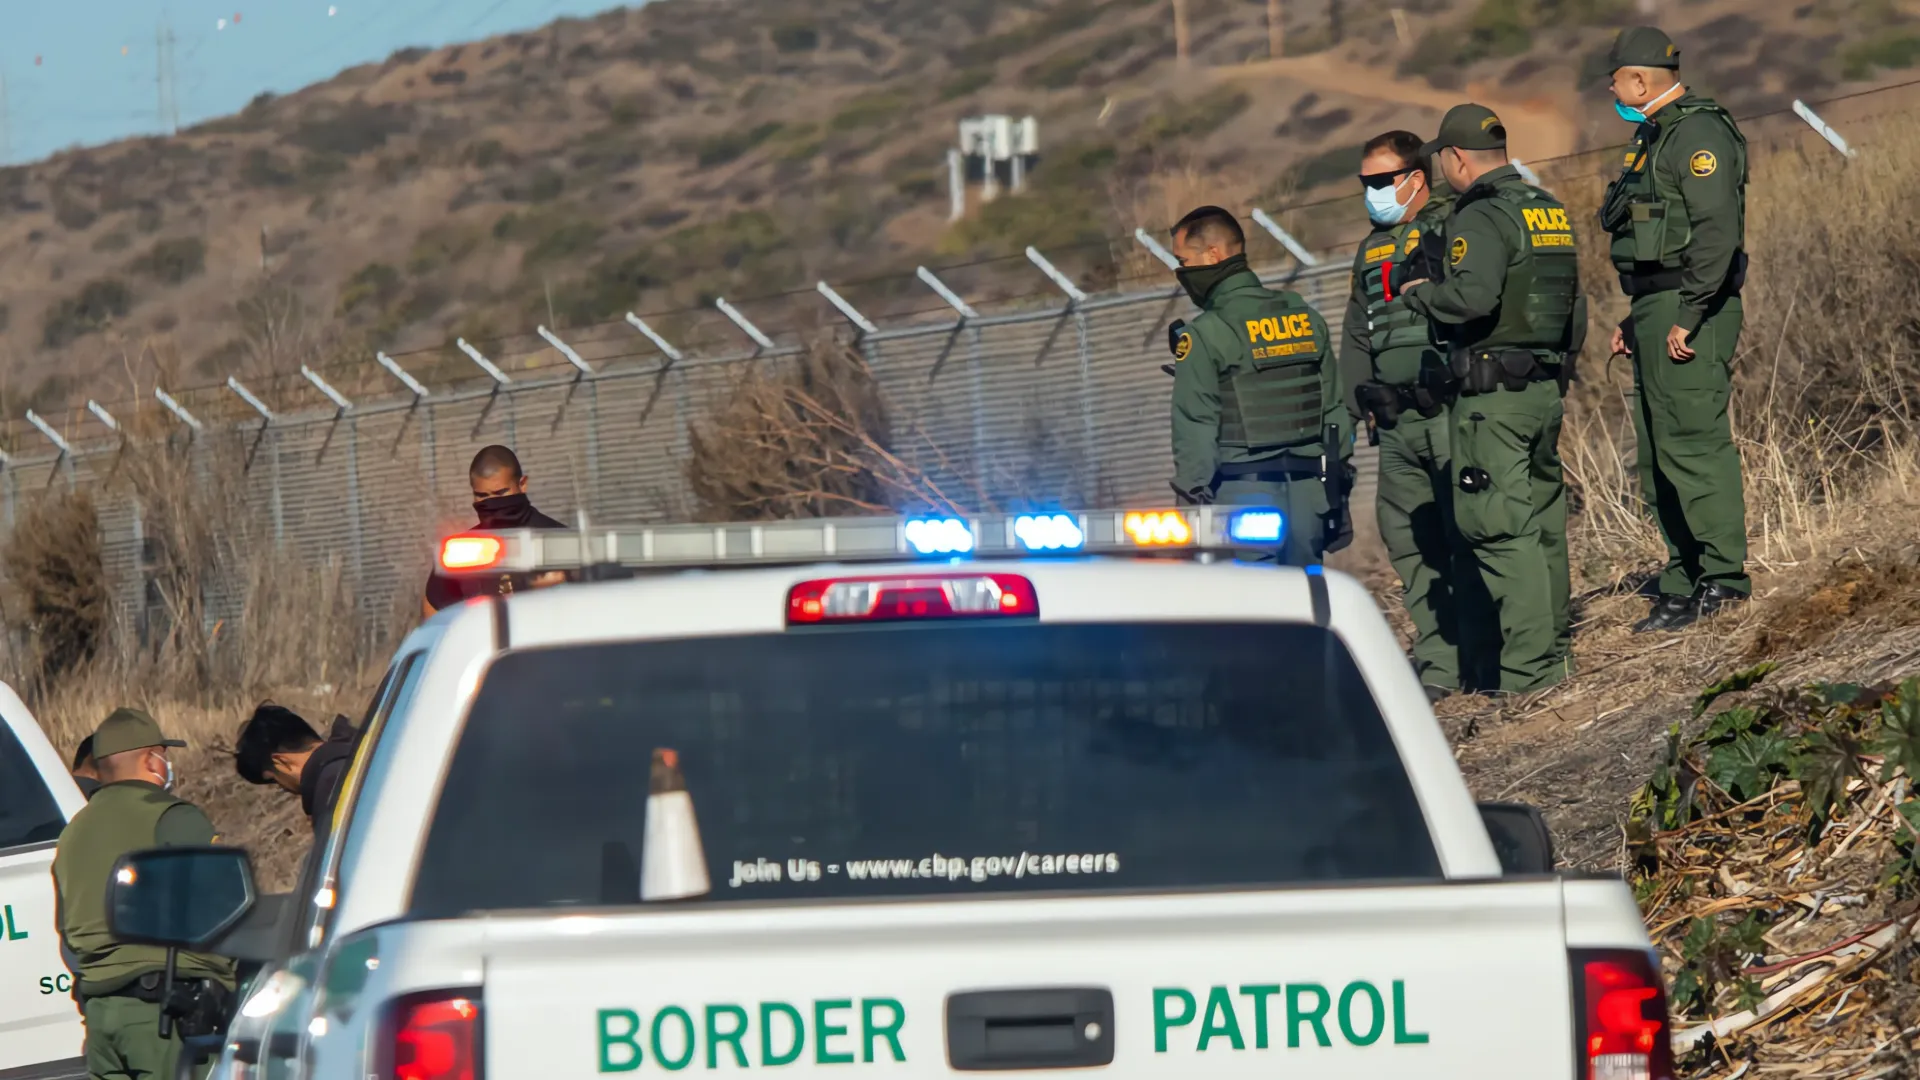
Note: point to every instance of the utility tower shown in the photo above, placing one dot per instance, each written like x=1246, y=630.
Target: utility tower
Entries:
x=166, y=82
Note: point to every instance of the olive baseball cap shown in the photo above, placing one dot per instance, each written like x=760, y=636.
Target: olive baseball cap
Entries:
x=1643, y=46
x=128, y=729
x=1469, y=127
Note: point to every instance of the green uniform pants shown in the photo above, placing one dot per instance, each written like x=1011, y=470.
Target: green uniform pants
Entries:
x=1515, y=531
x=1414, y=507
x=124, y=1043
x=1303, y=502
x=1689, y=467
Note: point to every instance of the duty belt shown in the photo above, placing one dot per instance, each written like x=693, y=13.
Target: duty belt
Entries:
x=1514, y=370
x=1647, y=284
x=143, y=987
x=1276, y=470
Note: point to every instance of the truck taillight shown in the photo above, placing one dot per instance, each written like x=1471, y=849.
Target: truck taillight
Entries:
x=433, y=1036
x=1622, y=1013
x=918, y=596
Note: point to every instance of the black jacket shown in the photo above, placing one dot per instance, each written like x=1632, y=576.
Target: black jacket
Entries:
x=321, y=778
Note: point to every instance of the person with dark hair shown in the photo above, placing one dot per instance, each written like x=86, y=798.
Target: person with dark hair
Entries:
x=1510, y=306
x=500, y=500
x=1255, y=387
x=86, y=771
x=1390, y=356
x=277, y=746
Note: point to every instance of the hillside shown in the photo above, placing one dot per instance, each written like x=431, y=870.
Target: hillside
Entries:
x=653, y=158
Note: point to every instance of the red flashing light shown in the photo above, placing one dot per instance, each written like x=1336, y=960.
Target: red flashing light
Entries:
x=434, y=1037
x=907, y=597
x=469, y=552
x=1624, y=1032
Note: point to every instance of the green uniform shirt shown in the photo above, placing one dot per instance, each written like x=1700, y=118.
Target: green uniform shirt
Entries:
x=1364, y=354
x=1690, y=161
x=1245, y=324
x=132, y=815
x=1490, y=242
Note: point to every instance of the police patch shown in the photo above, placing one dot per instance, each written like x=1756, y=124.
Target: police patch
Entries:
x=1182, y=347
x=1413, y=240
x=1703, y=163
x=1457, y=251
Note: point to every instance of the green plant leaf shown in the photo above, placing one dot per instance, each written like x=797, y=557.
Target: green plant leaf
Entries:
x=1829, y=759
x=1728, y=724
x=1910, y=810
x=1734, y=683
x=1699, y=939
x=1900, y=732
x=1748, y=765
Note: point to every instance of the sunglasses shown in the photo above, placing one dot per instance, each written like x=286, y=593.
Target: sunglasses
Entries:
x=1376, y=181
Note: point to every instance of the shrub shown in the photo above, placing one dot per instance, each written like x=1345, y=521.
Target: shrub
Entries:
x=1891, y=51
x=796, y=37
x=149, y=217
x=972, y=80
x=876, y=109
x=97, y=305
x=486, y=153
x=369, y=284
x=1195, y=118
x=263, y=168
x=72, y=211
x=729, y=146
x=59, y=582
x=173, y=261
x=117, y=240
x=566, y=238
x=350, y=129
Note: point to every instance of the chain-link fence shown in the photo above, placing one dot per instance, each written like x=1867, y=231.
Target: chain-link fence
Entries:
x=1057, y=400
x=1064, y=404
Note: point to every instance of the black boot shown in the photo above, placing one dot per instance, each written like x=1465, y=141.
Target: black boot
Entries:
x=1669, y=613
x=1713, y=597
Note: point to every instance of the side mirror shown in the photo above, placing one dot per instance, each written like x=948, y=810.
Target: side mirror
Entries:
x=184, y=897
x=1520, y=838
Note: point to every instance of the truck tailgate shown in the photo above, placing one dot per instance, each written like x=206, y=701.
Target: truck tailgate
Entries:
x=1442, y=980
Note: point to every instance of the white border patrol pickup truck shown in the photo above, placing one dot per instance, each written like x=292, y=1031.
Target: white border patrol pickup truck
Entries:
x=40, y=1029
x=919, y=797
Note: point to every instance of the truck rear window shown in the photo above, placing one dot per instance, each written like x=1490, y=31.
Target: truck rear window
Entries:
x=941, y=760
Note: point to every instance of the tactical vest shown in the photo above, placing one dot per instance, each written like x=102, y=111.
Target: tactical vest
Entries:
x=1644, y=211
x=1538, y=303
x=1400, y=338
x=1270, y=375
x=120, y=818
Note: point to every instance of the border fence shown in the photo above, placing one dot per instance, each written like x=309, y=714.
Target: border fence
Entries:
x=1054, y=399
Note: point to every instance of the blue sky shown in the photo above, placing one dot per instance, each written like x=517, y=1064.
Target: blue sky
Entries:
x=83, y=71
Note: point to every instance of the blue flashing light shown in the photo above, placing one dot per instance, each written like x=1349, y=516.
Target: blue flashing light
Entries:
x=1049, y=532
x=939, y=536
x=1257, y=527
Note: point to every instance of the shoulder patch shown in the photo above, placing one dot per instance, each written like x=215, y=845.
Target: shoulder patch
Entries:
x=1183, y=345
x=1457, y=250
x=1413, y=241
x=1702, y=163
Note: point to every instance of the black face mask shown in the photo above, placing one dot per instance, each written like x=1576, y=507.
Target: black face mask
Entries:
x=505, y=512
x=1200, y=281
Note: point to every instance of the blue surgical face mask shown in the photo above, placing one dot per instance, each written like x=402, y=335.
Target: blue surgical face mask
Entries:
x=1384, y=206
x=1630, y=114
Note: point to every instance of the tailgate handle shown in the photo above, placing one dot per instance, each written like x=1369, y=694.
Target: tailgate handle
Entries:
x=1052, y=1028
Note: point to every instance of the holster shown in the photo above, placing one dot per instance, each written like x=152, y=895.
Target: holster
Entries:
x=1380, y=401
x=199, y=1007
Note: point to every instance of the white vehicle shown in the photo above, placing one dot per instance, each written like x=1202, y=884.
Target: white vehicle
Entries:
x=919, y=797
x=40, y=1030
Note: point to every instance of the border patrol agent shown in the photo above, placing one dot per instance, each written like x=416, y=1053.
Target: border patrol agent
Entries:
x=1399, y=374
x=1255, y=388
x=1511, y=307
x=1677, y=215
x=121, y=985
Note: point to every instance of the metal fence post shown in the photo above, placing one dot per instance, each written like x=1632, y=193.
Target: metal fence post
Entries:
x=274, y=494
x=355, y=522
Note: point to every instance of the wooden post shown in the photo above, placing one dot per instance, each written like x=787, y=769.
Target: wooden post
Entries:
x=1276, y=31
x=1180, y=35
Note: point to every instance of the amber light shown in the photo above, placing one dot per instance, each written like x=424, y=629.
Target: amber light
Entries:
x=1158, y=529
x=469, y=552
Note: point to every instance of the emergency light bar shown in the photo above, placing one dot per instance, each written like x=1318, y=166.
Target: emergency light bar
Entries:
x=1189, y=530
